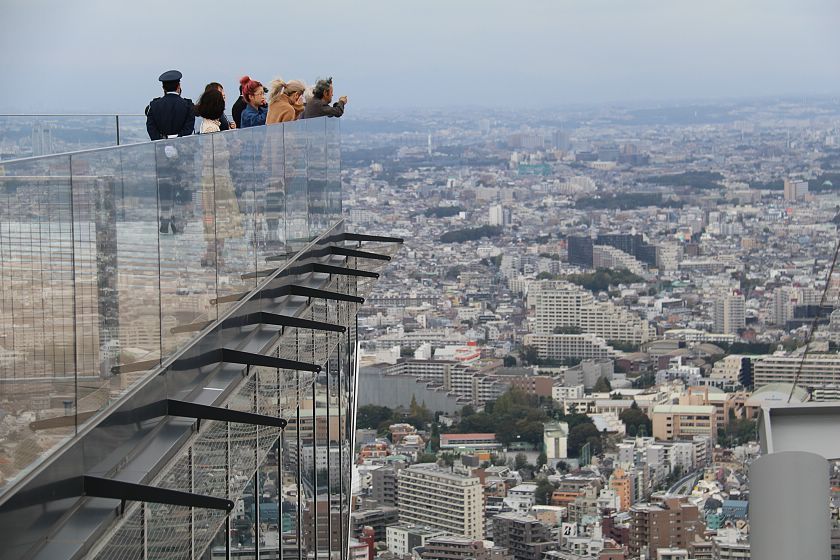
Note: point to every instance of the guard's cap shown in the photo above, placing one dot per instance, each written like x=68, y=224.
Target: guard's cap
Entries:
x=170, y=76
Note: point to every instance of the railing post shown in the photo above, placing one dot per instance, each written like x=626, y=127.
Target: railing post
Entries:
x=117, y=117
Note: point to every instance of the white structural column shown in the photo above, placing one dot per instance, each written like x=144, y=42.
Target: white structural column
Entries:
x=789, y=515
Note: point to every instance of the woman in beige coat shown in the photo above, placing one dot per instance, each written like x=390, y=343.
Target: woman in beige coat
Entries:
x=284, y=101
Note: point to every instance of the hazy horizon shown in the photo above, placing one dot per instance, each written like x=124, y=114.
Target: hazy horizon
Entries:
x=96, y=56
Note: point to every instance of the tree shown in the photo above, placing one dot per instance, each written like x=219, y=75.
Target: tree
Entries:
x=542, y=459
x=531, y=355
x=520, y=461
x=582, y=434
x=602, y=385
x=634, y=419
x=372, y=416
x=509, y=361
x=545, y=488
x=426, y=458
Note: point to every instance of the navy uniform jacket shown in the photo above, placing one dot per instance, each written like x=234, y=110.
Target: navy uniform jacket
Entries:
x=168, y=115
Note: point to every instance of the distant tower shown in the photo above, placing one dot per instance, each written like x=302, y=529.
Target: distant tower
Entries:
x=429, y=144
x=729, y=314
x=42, y=144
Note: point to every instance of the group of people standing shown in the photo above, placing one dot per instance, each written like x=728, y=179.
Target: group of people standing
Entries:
x=171, y=115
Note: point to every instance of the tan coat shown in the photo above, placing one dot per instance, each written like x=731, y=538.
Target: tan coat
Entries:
x=282, y=110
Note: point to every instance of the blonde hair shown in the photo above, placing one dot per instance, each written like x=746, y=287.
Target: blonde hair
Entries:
x=277, y=87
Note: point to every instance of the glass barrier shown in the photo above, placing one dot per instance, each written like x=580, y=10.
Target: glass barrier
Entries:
x=113, y=259
x=23, y=136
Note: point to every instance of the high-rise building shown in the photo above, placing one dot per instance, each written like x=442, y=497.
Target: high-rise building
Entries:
x=580, y=251
x=672, y=523
x=729, y=314
x=499, y=215
x=795, y=190
x=384, y=484
x=42, y=140
x=524, y=536
x=785, y=299
x=442, y=499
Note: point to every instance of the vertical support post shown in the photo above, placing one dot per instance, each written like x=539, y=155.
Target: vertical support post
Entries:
x=191, y=461
x=329, y=465
x=257, y=522
x=299, y=470
x=314, y=461
x=117, y=117
x=144, y=531
x=227, y=488
x=329, y=438
x=281, y=445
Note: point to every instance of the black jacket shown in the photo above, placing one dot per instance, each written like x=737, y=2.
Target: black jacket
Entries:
x=320, y=108
x=168, y=115
x=237, y=109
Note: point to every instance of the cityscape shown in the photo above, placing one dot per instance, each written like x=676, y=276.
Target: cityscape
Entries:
x=570, y=359
x=554, y=280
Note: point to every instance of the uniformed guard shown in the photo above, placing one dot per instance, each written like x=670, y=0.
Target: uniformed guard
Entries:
x=171, y=115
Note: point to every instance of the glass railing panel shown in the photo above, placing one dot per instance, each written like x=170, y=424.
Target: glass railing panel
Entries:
x=116, y=271
x=297, y=218
x=316, y=148
x=38, y=135
x=270, y=200
x=38, y=373
x=132, y=129
x=233, y=164
x=186, y=233
x=333, y=189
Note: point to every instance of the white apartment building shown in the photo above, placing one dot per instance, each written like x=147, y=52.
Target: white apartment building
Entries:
x=563, y=304
x=441, y=499
x=560, y=346
x=454, y=376
x=605, y=256
x=403, y=539
x=728, y=369
x=562, y=392
x=819, y=371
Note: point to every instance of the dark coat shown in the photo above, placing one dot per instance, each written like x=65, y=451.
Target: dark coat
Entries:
x=237, y=109
x=320, y=108
x=168, y=115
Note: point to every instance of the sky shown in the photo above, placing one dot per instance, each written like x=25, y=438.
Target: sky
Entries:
x=105, y=55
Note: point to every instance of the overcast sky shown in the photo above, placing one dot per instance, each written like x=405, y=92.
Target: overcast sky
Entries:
x=105, y=55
